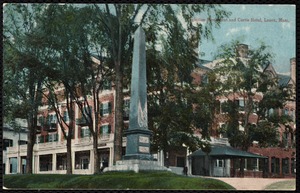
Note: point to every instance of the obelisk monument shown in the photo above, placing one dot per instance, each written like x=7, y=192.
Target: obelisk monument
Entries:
x=138, y=135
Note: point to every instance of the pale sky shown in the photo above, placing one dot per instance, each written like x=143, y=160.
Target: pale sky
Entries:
x=281, y=36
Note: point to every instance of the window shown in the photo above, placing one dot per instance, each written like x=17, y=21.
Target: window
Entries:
x=87, y=111
x=285, y=166
x=275, y=165
x=293, y=166
x=40, y=121
x=106, y=84
x=241, y=104
x=84, y=162
x=85, y=132
x=223, y=106
x=61, y=161
x=52, y=137
x=53, y=118
x=85, y=116
x=40, y=139
x=255, y=106
x=204, y=79
x=223, y=131
x=252, y=164
x=46, y=162
x=7, y=143
x=105, y=129
x=105, y=108
x=271, y=111
x=293, y=114
x=66, y=116
x=22, y=142
x=219, y=163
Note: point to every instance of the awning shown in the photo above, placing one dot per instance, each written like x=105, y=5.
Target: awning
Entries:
x=225, y=152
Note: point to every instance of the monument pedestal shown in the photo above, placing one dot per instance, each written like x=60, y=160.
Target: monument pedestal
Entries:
x=136, y=165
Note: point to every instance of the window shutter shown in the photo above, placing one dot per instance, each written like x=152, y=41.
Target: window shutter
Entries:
x=56, y=137
x=109, y=127
x=66, y=116
x=47, y=120
x=101, y=109
x=41, y=120
x=109, y=107
x=81, y=133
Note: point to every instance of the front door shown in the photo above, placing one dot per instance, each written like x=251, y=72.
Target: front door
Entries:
x=219, y=167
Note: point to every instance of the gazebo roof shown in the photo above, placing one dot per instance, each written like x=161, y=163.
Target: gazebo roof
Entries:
x=224, y=151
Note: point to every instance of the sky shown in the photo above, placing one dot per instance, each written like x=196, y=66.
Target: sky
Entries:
x=280, y=36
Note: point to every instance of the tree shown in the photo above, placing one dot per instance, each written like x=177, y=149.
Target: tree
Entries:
x=244, y=75
x=22, y=64
x=72, y=41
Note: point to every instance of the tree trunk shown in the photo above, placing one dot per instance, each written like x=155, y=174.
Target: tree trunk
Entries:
x=30, y=144
x=69, y=153
x=96, y=154
x=118, y=113
x=35, y=99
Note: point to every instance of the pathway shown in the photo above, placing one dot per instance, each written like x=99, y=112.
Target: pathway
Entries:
x=250, y=183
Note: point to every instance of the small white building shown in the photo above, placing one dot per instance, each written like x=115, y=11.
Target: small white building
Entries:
x=14, y=138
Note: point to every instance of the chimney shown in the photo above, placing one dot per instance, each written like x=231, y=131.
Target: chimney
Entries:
x=242, y=50
x=293, y=69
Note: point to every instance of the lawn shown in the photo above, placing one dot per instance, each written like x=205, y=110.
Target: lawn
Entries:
x=114, y=180
x=284, y=185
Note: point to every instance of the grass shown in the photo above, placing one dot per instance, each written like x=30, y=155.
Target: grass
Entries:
x=283, y=185
x=114, y=180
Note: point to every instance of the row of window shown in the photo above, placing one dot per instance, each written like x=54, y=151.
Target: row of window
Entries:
x=53, y=137
x=104, y=130
x=285, y=165
x=84, y=132
x=105, y=109
x=82, y=161
x=10, y=143
x=241, y=105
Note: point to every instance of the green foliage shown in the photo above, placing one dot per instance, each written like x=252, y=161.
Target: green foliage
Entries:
x=265, y=130
x=247, y=76
x=114, y=180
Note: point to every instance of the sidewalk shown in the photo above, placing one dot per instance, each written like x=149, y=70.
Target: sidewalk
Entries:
x=250, y=183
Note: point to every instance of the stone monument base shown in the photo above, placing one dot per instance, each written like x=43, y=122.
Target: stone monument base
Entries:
x=136, y=166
